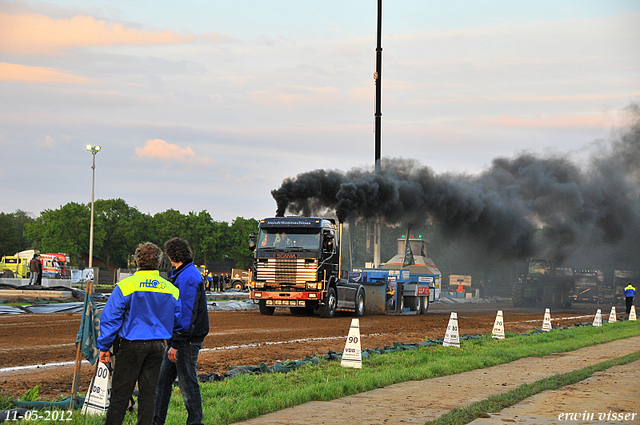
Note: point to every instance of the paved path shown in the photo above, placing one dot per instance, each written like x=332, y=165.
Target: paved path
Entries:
x=416, y=402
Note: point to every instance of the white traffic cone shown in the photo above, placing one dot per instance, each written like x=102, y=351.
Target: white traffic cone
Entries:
x=597, y=321
x=632, y=314
x=352, y=355
x=612, y=315
x=546, y=322
x=498, y=327
x=452, y=338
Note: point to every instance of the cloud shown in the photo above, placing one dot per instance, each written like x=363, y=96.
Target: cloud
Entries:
x=563, y=121
x=159, y=149
x=27, y=34
x=46, y=142
x=37, y=74
x=293, y=95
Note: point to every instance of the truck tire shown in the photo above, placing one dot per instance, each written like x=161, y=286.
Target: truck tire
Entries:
x=264, y=309
x=238, y=285
x=549, y=297
x=360, y=303
x=517, y=295
x=328, y=310
x=424, y=305
x=413, y=303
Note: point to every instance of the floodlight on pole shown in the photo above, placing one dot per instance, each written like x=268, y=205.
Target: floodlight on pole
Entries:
x=94, y=150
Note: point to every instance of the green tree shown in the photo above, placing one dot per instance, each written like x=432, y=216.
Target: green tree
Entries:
x=168, y=224
x=238, y=240
x=12, y=237
x=119, y=222
x=64, y=230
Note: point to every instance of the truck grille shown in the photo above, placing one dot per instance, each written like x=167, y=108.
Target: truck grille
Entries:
x=287, y=270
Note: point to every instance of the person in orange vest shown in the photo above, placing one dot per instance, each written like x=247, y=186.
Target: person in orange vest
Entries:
x=629, y=294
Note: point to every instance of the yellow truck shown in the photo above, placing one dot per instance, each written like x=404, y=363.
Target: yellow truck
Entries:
x=14, y=266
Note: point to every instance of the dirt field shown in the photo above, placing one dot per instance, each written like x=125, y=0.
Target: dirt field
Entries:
x=241, y=338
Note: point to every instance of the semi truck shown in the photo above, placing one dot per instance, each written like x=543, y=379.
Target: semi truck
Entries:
x=296, y=265
x=543, y=284
x=588, y=286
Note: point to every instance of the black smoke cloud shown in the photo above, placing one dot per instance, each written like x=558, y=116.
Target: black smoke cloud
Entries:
x=519, y=207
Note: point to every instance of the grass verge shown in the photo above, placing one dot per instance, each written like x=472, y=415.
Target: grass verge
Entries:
x=496, y=403
x=248, y=396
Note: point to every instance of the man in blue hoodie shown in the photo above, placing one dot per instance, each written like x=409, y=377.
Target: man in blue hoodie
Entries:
x=141, y=312
x=181, y=356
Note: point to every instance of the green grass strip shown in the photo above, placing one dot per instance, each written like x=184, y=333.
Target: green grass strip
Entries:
x=249, y=396
x=496, y=403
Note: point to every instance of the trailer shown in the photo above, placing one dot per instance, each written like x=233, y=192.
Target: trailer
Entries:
x=420, y=282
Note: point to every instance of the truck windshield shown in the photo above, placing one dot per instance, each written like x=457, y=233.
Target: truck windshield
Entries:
x=586, y=281
x=538, y=267
x=289, y=238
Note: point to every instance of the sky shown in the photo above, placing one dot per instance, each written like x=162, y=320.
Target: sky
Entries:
x=210, y=105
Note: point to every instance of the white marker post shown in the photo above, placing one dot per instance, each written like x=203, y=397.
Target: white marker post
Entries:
x=597, y=321
x=546, y=322
x=632, y=313
x=99, y=392
x=352, y=355
x=612, y=315
x=452, y=338
x=498, y=326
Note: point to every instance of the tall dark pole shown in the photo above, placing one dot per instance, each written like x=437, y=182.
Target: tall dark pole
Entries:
x=378, y=81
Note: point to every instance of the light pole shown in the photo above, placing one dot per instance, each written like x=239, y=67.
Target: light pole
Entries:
x=94, y=150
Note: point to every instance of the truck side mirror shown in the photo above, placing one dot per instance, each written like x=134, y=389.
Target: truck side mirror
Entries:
x=252, y=242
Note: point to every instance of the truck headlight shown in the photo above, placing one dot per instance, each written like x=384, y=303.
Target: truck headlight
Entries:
x=312, y=285
x=259, y=285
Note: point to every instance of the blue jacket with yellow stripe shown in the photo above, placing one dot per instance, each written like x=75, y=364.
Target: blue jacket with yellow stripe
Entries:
x=141, y=307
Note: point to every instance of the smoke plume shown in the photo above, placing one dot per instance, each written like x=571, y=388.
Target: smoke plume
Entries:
x=520, y=207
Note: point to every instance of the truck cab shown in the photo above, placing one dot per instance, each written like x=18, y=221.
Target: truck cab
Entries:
x=296, y=265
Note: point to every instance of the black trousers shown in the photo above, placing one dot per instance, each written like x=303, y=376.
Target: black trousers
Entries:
x=629, y=301
x=136, y=361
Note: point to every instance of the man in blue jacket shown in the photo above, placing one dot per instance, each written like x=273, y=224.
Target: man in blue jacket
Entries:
x=181, y=357
x=629, y=294
x=141, y=312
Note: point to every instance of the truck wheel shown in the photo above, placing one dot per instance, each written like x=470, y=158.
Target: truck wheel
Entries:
x=328, y=310
x=424, y=305
x=238, y=284
x=517, y=296
x=264, y=309
x=413, y=303
x=360, y=303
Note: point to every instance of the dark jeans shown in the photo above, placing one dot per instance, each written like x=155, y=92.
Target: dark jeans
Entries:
x=629, y=301
x=185, y=370
x=136, y=361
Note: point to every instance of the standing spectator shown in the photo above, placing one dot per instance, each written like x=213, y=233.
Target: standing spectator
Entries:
x=34, y=267
x=39, y=278
x=209, y=281
x=140, y=313
x=629, y=294
x=216, y=282
x=181, y=356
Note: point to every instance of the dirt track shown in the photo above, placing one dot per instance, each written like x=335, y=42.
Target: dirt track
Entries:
x=239, y=338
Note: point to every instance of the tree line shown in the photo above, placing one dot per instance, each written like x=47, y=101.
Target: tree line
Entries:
x=119, y=228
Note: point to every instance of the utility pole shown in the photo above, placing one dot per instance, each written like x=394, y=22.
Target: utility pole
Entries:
x=378, y=122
